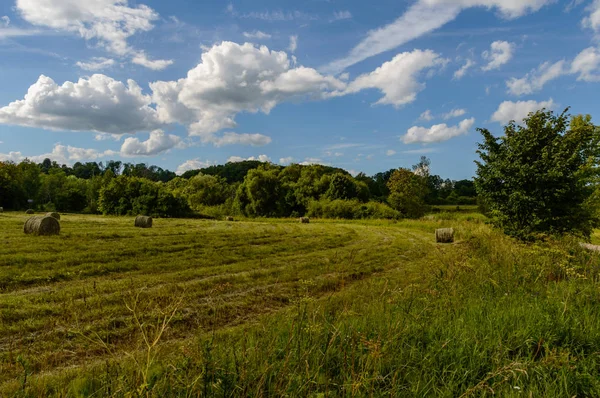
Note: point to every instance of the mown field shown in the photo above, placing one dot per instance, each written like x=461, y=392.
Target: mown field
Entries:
x=278, y=308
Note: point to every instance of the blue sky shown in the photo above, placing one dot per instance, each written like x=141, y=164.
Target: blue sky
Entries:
x=359, y=85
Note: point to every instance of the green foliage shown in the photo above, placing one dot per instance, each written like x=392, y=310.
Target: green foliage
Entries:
x=341, y=186
x=213, y=191
x=539, y=178
x=351, y=210
x=132, y=195
x=207, y=190
x=261, y=193
x=407, y=193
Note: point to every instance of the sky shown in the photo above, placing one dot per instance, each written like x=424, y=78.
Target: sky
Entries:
x=365, y=86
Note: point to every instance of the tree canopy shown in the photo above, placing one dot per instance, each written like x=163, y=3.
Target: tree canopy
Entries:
x=540, y=176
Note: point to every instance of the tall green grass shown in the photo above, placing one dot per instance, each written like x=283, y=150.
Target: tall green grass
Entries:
x=380, y=311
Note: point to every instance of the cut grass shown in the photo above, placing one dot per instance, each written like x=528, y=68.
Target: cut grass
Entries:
x=273, y=308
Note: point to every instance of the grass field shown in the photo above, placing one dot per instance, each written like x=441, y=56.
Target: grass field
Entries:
x=278, y=308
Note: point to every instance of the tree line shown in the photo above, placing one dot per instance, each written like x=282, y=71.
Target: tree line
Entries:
x=249, y=188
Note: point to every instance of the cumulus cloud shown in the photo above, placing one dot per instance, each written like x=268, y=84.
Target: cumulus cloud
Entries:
x=460, y=73
x=257, y=34
x=437, y=133
x=234, y=78
x=192, y=164
x=516, y=111
x=237, y=159
x=4, y=21
x=426, y=116
x=98, y=103
x=421, y=18
x=390, y=152
x=286, y=160
x=96, y=63
x=230, y=79
x=536, y=79
x=500, y=53
x=109, y=22
x=454, y=113
x=157, y=142
x=62, y=154
x=398, y=78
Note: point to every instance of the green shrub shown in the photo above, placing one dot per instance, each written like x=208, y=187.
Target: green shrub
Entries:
x=350, y=209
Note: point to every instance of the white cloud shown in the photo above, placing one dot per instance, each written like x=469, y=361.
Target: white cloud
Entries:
x=109, y=22
x=286, y=160
x=157, y=142
x=257, y=34
x=454, y=113
x=423, y=17
x=536, y=79
x=500, y=53
x=96, y=63
x=98, y=104
x=427, y=116
x=587, y=63
x=437, y=133
x=390, y=152
x=5, y=21
x=140, y=58
x=459, y=74
x=106, y=136
x=8, y=32
x=593, y=20
x=192, y=164
x=311, y=161
x=236, y=159
x=234, y=78
x=272, y=16
x=516, y=111
x=229, y=138
x=341, y=15
x=397, y=78
x=293, y=43
x=62, y=154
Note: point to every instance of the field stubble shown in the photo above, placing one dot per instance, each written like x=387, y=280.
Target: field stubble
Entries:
x=274, y=307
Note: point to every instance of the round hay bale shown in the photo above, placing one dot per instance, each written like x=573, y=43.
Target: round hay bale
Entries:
x=229, y=218
x=444, y=235
x=304, y=220
x=53, y=214
x=44, y=225
x=143, y=222
x=30, y=211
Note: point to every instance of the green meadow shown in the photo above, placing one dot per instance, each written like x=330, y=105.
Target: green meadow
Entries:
x=272, y=307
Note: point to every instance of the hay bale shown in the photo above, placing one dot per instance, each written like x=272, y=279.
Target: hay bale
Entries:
x=444, y=235
x=53, y=214
x=228, y=218
x=44, y=225
x=304, y=220
x=30, y=211
x=143, y=222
